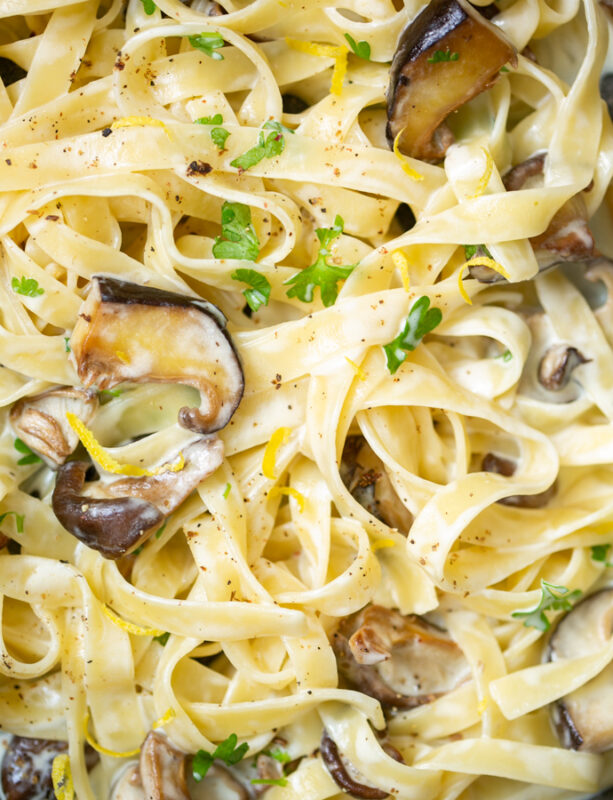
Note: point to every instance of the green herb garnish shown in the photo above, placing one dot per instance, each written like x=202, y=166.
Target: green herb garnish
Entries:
x=321, y=274
x=160, y=531
x=443, y=55
x=110, y=392
x=219, y=136
x=361, y=49
x=267, y=146
x=472, y=250
x=66, y=343
x=554, y=598
x=29, y=457
x=162, y=638
x=238, y=238
x=26, y=286
x=19, y=518
x=421, y=320
x=148, y=6
x=504, y=69
x=217, y=119
x=227, y=752
x=227, y=491
x=279, y=755
x=208, y=43
x=259, y=293
x=269, y=781
x=506, y=356
x=600, y=552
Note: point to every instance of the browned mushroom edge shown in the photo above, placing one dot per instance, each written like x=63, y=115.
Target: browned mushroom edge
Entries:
x=582, y=719
x=115, y=518
x=421, y=92
x=139, y=334
x=364, y=475
x=40, y=421
x=557, y=365
x=339, y=770
x=26, y=767
x=504, y=466
x=402, y=661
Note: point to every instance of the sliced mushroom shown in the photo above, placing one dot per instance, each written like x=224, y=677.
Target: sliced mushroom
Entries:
x=345, y=775
x=127, y=332
x=583, y=718
x=162, y=769
x=364, y=475
x=606, y=91
x=567, y=237
x=115, y=518
x=401, y=661
x=422, y=92
x=26, y=767
x=504, y=466
x=557, y=364
x=40, y=421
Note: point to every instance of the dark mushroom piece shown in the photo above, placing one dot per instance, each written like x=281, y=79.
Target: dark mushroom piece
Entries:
x=583, y=718
x=127, y=332
x=26, y=767
x=606, y=91
x=10, y=72
x=345, y=775
x=557, y=365
x=364, y=475
x=41, y=422
x=115, y=518
x=504, y=466
x=446, y=56
x=402, y=661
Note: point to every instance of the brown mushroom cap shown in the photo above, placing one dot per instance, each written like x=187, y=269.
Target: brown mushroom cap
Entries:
x=401, y=661
x=162, y=769
x=583, y=718
x=422, y=93
x=115, y=518
x=557, y=364
x=341, y=771
x=504, y=466
x=41, y=422
x=127, y=332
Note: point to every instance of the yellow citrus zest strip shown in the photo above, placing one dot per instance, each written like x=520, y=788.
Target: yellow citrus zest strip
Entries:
x=279, y=437
x=122, y=356
x=381, y=543
x=106, y=460
x=61, y=776
x=130, y=627
x=290, y=492
x=93, y=743
x=134, y=122
x=412, y=173
x=479, y=261
x=357, y=369
x=482, y=706
x=338, y=53
x=170, y=714
x=485, y=178
x=402, y=265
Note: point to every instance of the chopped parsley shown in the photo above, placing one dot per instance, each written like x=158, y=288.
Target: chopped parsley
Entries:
x=227, y=752
x=599, y=553
x=160, y=531
x=321, y=274
x=267, y=146
x=361, y=49
x=19, y=518
x=421, y=320
x=554, y=598
x=443, y=55
x=149, y=7
x=110, y=392
x=279, y=755
x=26, y=286
x=269, y=781
x=66, y=343
x=259, y=293
x=227, y=491
x=219, y=136
x=238, y=238
x=162, y=638
x=209, y=44
x=28, y=456
x=216, y=119
x=506, y=356
x=472, y=250
x=504, y=69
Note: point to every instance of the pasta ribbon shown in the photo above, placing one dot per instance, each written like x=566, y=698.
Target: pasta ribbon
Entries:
x=279, y=437
x=412, y=173
x=479, y=261
x=357, y=369
x=290, y=492
x=105, y=750
x=401, y=263
x=106, y=460
x=130, y=627
x=61, y=777
x=485, y=178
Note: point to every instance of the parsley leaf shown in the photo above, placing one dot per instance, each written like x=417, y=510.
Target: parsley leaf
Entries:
x=67, y=344
x=599, y=553
x=361, y=49
x=208, y=43
x=219, y=136
x=259, y=294
x=217, y=119
x=227, y=752
x=227, y=490
x=321, y=274
x=506, y=356
x=159, y=532
x=279, y=755
x=29, y=457
x=472, y=250
x=267, y=146
x=269, y=781
x=149, y=6
x=110, y=392
x=27, y=286
x=19, y=518
x=163, y=637
x=238, y=238
x=421, y=320
x=555, y=598
x=443, y=55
